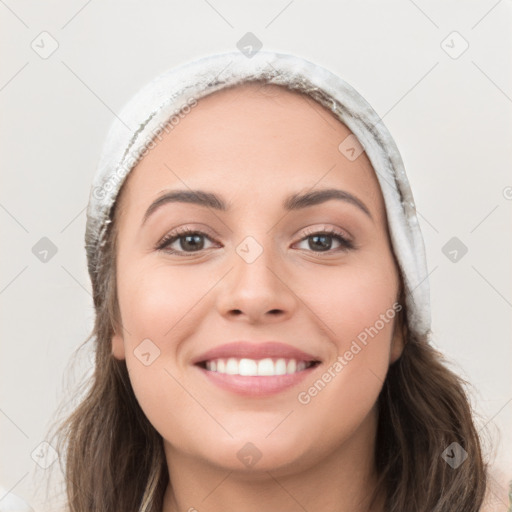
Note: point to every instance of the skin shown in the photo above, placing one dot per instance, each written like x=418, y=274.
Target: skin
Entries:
x=254, y=146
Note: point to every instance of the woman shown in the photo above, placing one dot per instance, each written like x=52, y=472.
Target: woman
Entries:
x=262, y=308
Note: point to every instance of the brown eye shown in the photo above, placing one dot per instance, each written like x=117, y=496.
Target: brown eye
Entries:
x=322, y=241
x=189, y=241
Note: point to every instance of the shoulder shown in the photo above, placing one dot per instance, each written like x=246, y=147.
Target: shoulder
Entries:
x=498, y=497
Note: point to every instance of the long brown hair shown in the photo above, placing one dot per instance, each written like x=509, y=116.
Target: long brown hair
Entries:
x=114, y=459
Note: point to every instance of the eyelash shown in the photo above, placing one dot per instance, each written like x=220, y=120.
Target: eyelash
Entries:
x=163, y=245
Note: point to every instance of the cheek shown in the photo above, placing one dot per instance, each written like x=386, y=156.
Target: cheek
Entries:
x=358, y=304
x=153, y=299
x=353, y=297
x=357, y=308
x=160, y=308
x=159, y=304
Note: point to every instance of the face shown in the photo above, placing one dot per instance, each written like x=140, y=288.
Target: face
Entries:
x=316, y=275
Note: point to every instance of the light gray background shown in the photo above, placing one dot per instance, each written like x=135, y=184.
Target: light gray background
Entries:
x=451, y=119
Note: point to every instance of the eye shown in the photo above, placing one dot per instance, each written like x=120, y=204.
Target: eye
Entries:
x=193, y=241
x=189, y=241
x=321, y=241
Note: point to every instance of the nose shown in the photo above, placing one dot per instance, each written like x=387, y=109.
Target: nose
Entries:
x=258, y=291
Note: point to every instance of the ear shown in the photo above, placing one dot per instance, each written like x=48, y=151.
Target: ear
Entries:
x=118, y=346
x=399, y=339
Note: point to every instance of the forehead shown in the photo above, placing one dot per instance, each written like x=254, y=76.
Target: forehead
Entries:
x=256, y=138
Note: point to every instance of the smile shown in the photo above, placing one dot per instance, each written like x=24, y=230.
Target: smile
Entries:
x=245, y=379
x=267, y=367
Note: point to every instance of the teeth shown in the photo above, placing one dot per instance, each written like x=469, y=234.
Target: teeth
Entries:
x=253, y=368
x=232, y=366
x=246, y=366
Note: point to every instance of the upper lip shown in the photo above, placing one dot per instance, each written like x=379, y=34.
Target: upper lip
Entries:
x=262, y=350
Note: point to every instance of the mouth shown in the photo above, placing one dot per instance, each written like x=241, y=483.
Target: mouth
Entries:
x=267, y=367
x=255, y=369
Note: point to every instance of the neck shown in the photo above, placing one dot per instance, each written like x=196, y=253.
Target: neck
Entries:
x=342, y=480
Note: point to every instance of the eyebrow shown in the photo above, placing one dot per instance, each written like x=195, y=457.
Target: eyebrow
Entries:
x=291, y=203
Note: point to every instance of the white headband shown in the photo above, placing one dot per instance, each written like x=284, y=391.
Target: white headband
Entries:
x=162, y=101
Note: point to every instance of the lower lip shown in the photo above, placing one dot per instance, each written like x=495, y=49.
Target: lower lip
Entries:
x=257, y=386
